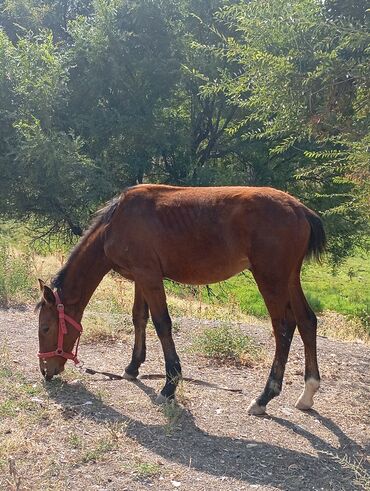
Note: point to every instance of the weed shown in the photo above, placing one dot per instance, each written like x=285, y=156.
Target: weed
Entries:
x=13, y=472
x=117, y=429
x=147, y=470
x=8, y=408
x=364, y=316
x=229, y=345
x=172, y=412
x=75, y=441
x=5, y=372
x=94, y=454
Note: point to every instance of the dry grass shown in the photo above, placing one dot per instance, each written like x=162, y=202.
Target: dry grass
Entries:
x=338, y=326
x=357, y=467
x=58, y=441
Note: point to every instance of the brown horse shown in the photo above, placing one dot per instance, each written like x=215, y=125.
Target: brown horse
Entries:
x=195, y=236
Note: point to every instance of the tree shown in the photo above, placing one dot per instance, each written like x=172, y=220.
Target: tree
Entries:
x=303, y=85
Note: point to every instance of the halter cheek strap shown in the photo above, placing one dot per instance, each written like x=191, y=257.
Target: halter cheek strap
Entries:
x=62, y=331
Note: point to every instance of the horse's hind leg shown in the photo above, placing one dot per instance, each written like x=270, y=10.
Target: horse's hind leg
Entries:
x=277, y=301
x=155, y=296
x=140, y=315
x=307, y=326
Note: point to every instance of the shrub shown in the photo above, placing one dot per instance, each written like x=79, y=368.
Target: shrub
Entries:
x=228, y=345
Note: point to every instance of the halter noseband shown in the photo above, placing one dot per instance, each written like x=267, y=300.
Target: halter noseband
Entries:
x=62, y=330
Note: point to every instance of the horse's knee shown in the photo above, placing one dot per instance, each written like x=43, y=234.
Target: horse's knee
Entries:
x=139, y=320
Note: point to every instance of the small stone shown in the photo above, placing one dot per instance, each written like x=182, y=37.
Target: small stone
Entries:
x=176, y=484
x=286, y=411
x=37, y=399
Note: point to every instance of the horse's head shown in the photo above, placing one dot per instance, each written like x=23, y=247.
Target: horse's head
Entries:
x=56, y=336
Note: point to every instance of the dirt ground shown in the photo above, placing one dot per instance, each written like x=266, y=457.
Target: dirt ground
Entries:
x=83, y=432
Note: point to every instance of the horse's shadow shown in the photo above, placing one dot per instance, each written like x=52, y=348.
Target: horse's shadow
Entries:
x=253, y=462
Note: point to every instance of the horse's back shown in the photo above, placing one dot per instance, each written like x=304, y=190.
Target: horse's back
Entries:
x=202, y=234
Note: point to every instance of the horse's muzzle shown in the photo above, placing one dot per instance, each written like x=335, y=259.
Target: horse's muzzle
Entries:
x=48, y=372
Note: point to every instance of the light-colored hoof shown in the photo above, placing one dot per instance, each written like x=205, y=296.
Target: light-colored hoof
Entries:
x=305, y=400
x=127, y=376
x=303, y=405
x=160, y=399
x=255, y=409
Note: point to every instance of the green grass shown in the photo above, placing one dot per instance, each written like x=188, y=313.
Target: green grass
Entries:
x=228, y=344
x=145, y=470
x=16, y=282
x=345, y=290
x=98, y=451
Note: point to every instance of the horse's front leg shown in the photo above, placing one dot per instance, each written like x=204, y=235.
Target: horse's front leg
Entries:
x=155, y=296
x=140, y=315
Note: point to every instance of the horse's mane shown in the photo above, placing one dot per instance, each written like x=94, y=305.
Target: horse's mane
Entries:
x=101, y=217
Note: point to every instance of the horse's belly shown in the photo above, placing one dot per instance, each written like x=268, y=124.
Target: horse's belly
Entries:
x=204, y=274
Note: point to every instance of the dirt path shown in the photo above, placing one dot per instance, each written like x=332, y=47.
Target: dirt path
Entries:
x=95, y=434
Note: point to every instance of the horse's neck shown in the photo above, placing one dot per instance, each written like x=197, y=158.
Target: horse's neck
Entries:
x=86, y=269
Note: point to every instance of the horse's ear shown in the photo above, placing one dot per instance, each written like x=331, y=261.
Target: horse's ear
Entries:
x=41, y=284
x=48, y=295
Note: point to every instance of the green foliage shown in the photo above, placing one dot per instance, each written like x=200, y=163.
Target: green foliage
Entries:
x=228, y=345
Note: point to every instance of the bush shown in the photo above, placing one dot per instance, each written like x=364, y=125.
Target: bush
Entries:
x=228, y=345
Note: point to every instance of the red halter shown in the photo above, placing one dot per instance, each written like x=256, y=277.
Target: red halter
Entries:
x=62, y=330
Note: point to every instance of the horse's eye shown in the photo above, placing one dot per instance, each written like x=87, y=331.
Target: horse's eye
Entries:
x=44, y=329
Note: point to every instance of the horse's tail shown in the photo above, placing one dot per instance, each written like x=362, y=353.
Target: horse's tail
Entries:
x=317, y=240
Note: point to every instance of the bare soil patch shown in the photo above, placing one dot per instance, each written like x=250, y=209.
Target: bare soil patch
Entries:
x=89, y=432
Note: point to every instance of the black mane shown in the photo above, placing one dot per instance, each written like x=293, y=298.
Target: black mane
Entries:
x=102, y=217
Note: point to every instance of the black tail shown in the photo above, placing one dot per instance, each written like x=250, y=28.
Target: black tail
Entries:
x=317, y=242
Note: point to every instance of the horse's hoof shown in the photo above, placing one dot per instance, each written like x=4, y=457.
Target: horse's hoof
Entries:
x=255, y=409
x=303, y=405
x=128, y=376
x=305, y=400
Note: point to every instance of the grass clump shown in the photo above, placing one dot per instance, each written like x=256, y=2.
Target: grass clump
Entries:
x=172, y=412
x=98, y=451
x=106, y=327
x=338, y=326
x=228, y=344
x=145, y=470
x=17, y=283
